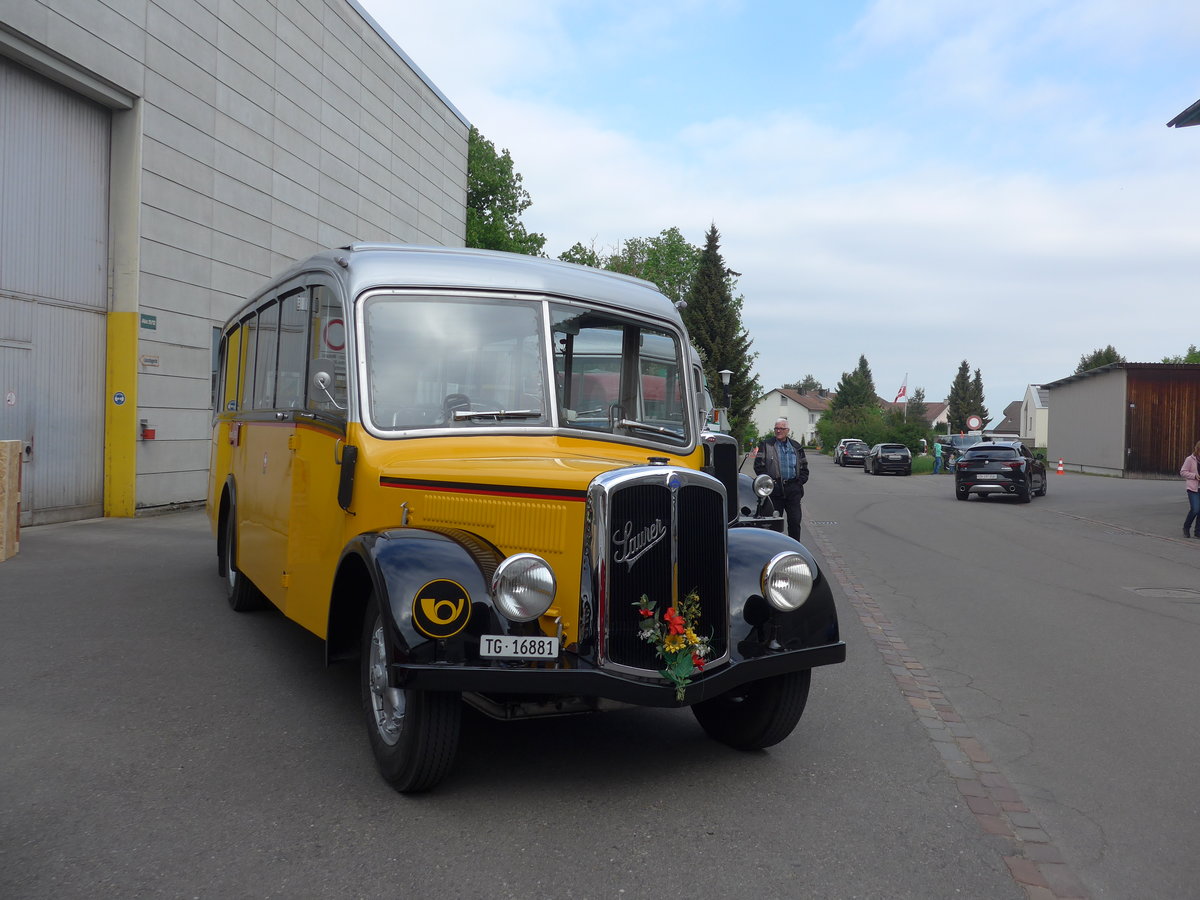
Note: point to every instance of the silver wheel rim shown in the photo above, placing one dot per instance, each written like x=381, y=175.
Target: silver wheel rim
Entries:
x=387, y=704
x=230, y=569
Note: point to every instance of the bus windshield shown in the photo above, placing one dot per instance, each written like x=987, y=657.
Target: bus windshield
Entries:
x=450, y=362
x=618, y=376
x=460, y=362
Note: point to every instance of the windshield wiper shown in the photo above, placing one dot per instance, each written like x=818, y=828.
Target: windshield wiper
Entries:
x=634, y=425
x=461, y=414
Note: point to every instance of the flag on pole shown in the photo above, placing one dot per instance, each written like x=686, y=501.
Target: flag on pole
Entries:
x=903, y=390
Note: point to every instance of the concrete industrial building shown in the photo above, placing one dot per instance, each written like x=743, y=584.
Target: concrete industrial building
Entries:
x=159, y=159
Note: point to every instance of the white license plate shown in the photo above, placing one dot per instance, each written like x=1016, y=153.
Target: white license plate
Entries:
x=987, y=476
x=510, y=646
x=894, y=456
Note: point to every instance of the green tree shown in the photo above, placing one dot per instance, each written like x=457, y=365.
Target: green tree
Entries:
x=966, y=398
x=1192, y=357
x=667, y=260
x=495, y=200
x=583, y=256
x=713, y=317
x=1098, y=358
x=977, y=397
x=959, y=400
x=806, y=385
x=916, y=410
x=856, y=391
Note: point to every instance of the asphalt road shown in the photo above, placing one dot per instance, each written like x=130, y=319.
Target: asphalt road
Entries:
x=1064, y=633
x=155, y=744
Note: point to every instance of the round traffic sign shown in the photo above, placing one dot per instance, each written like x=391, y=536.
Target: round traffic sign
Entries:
x=974, y=423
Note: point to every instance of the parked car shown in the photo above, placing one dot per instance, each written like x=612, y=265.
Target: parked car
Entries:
x=1000, y=467
x=888, y=458
x=854, y=453
x=841, y=445
x=954, y=444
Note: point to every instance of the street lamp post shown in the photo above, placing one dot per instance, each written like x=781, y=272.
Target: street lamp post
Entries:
x=726, y=374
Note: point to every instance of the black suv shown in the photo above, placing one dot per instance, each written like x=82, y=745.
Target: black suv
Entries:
x=888, y=458
x=1000, y=467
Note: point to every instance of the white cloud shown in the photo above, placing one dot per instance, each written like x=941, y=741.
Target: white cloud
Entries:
x=874, y=239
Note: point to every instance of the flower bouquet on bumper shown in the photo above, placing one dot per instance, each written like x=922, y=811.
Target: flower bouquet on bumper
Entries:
x=675, y=640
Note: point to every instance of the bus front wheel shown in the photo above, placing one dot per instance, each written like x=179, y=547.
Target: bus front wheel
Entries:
x=758, y=714
x=413, y=733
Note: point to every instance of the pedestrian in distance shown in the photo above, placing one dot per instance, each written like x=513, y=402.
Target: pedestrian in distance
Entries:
x=1190, y=473
x=783, y=459
x=937, y=457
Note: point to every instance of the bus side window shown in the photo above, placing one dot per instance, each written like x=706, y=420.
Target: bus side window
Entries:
x=264, y=367
x=293, y=343
x=327, y=354
x=234, y=358
x=246, y=382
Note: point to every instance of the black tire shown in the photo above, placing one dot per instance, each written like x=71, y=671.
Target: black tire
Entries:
x=962, y=495
x=413, y=733
x=1042, y=491
x=756, y=715
x=1024, y=494
x=240, y=591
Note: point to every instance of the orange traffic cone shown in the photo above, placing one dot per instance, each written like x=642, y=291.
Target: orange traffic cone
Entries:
x=1060, y=468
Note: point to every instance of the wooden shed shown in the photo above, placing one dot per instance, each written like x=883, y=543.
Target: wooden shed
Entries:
x=1134, y=420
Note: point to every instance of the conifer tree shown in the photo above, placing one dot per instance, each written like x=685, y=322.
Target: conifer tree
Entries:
x=916, y=410
x=978, y=408
x=856, y=391
x=959, y=401
x=714, y=319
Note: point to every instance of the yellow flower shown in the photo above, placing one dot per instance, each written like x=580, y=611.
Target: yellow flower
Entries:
x=692, y=638
x=673, y=643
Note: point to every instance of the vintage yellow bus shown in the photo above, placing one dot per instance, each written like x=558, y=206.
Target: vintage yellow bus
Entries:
x=485, y=478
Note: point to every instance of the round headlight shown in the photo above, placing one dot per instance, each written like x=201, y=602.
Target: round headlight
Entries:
x=523, y=587
x=787, y=580
x=763, y=485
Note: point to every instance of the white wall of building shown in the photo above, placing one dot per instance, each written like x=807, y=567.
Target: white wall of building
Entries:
x=246, y=135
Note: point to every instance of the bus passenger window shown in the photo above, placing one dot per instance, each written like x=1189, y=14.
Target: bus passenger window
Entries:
x=264, y=368
x=293, y=343
x=246, y=382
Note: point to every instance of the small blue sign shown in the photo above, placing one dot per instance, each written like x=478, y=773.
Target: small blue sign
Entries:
x=119, y=398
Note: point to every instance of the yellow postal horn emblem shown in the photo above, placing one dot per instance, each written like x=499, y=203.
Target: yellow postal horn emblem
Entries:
x=441, y=608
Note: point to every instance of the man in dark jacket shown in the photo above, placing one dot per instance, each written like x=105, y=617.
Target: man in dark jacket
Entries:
x=783, y=459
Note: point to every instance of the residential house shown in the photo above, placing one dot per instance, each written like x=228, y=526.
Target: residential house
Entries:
x=1035, y=416
x=802, y=409
x=1008, y=426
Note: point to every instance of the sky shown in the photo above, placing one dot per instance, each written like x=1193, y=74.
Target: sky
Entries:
x=920, y=182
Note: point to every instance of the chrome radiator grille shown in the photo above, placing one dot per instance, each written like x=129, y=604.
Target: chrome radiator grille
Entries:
x=661, y=533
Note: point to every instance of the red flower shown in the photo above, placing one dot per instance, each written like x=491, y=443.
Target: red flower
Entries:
x=675, y=623
x=646, y=613
x=698, y=662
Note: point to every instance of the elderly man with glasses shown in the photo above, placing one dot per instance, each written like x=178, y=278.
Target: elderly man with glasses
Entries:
x=783, y=459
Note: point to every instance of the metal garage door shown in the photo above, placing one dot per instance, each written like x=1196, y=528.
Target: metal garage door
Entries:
x=54, y=164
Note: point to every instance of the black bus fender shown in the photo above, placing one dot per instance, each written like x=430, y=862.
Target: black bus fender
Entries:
x=433, y=587
x=758, y=628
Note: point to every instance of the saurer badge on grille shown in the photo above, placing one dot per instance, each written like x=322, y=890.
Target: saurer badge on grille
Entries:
x=631, y=545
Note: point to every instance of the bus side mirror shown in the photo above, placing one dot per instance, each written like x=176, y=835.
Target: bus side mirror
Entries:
x=321, y=380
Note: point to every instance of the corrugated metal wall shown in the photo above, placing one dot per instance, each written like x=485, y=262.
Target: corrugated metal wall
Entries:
x=54, y=165
x=1163, y=420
